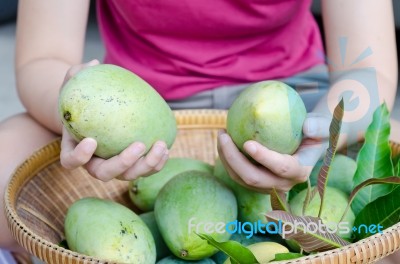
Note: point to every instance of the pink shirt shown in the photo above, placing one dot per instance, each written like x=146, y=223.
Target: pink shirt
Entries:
x=182, y=47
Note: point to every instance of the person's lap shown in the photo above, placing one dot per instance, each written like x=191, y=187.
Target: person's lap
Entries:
x=20, y=135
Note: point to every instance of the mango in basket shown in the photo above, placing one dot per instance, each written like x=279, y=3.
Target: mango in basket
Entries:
x=194, y=202
x=252, y=206
x=341, y=173
x=335, y=203
x=107, y=230
x=269, y=112
x=143, y=191
x=115, y=107
x=161, y=248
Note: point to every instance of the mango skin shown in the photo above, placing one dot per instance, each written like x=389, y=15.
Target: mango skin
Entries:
x=115, y=107
x=161, y=248
x=341, y=173
x=144, y=190
x=269, y=112
x=108, y=230
x=264, y=251
x=175, y=260
x=193, y=195
x=252, y=206
x=335, y=202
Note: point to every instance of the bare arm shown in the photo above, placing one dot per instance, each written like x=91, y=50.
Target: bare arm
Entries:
x=367, y=24
x=50, y=39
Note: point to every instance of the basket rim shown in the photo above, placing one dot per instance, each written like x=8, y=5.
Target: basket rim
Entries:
x=357, y=251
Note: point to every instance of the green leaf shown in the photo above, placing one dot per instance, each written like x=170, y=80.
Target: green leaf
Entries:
x=287, y=256
x=384, y=212
x=334, y=133
x=397, y=169
x=321, y=239
x=236, y=251
x=387, y=181
x=374, y=160
x=279, y=201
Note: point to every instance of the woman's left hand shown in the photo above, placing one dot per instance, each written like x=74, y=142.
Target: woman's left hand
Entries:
x=275, y=170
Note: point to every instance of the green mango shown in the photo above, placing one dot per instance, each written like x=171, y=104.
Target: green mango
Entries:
x=335, y=203
x=341, y=173
x=269, y=112
x=161, y=248
x=175, y=260
x=144, y=190
x=107, y=230
x=252, y=206
x=116, y=108
x=188, y=204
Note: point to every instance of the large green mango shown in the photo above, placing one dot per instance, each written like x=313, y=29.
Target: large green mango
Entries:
x=188, y=204
x=252, y=206
x=107, y=230
x=269, y=112
x=335, y=203
x=143, y=191
x=115, y=107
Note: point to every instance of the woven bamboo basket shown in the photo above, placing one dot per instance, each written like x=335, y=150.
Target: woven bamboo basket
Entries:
x=41, y=190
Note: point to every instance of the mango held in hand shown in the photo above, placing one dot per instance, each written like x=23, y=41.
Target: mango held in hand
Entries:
x=188, y=204
x=271, y=113
x=108, y=230
x=115, y=107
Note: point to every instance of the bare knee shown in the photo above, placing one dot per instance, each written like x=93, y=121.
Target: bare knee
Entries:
x=20, y=136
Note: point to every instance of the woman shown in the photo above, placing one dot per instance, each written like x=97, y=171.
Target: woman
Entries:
x=197, y=54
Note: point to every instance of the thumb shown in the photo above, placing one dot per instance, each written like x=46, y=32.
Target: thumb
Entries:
x=77, y=68
x=316, y=126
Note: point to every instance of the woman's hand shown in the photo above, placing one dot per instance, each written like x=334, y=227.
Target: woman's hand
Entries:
x=275, y=170
x=128, y=165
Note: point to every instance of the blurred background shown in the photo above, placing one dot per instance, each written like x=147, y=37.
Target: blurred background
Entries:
x=9, y=102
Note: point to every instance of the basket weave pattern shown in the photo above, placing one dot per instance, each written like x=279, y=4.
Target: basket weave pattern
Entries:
x=41, y=190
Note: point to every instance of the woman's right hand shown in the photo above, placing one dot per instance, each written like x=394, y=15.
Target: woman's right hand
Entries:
x=128, y=165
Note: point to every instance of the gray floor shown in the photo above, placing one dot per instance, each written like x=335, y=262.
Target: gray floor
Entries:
x=9, y=103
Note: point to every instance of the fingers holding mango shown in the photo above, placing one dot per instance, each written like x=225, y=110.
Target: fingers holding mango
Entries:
x=115, y=123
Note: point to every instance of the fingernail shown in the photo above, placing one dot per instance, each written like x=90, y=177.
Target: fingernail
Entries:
x=312, y=127
x=138, y=149
x=89, y=147
x=251, y=148
x=159, y=149
x=92, y=62
x=165, y=157
x=223, y=138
